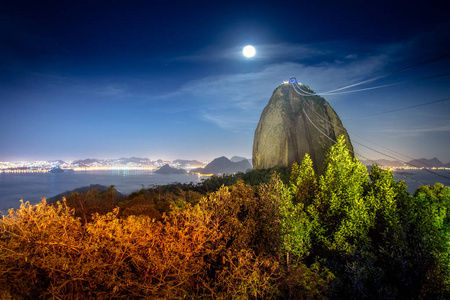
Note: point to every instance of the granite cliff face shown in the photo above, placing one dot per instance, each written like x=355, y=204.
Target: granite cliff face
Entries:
x=284, y=133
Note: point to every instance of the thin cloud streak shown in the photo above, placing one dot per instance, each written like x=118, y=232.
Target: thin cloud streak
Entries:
x=442, y=128
x=233, y=97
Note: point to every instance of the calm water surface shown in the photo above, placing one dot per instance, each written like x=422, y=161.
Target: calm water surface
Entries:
x=33, y=187
x=425, y=177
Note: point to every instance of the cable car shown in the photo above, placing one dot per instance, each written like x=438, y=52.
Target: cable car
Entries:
x=292, y=80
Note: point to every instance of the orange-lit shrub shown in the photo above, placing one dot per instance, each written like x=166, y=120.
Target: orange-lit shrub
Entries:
x=37, y=243
x=91, y=202
x=155, y=202
x=246, y=263
x=225, y=247
x=45, y=251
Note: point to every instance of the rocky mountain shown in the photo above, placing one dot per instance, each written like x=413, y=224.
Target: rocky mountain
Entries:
x=87, y=161
x=166, y=169
x=58, y=162
x=136, y=160
x=240, y=158
x=383, y=162
x=426, y=163
x=292, y=125
x=237, y=158
x=223, y=165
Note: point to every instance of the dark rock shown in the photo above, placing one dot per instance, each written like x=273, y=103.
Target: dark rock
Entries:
x=223, y=165
x=284, y=133
x=166, y=169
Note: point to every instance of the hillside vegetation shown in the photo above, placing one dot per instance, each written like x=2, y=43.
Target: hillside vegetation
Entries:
x=344, y=234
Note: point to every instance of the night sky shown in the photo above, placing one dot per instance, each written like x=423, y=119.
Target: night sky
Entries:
x=167, y=79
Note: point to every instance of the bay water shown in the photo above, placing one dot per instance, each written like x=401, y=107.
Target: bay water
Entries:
x=415, y=178
x=33, y=187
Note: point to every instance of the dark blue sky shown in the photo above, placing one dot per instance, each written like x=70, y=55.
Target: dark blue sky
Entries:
x=167, y=79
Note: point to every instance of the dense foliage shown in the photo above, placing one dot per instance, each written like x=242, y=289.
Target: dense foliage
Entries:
x=343, y=234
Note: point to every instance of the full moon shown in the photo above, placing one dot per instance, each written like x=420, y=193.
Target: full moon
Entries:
x=249, y=51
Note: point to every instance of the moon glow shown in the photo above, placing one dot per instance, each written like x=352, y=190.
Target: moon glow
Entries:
x=249, y=51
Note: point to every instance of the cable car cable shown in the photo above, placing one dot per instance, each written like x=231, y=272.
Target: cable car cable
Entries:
x=397, y=109
x=398, y=153
x=374, y=87
x=396, y=159
x=395, y=72
x=413, y=179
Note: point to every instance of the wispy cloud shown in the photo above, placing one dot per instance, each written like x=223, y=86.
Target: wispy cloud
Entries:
x=113, y=90
x=230, y=98
x=439, y=128
x=229, y=121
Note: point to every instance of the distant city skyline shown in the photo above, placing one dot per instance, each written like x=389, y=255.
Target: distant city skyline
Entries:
x=48, y=164
x=168, y=80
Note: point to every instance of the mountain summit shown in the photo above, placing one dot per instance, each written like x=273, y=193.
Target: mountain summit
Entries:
x=292, y=125
x=226, y=166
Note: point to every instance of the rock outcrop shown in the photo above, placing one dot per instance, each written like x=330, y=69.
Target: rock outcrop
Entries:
x=292, y=125
x=166, y=169
x=223, y=165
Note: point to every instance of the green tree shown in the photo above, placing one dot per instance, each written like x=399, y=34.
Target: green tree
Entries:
x=344, y=216
x=300, y=280
x=295, y=222
x=303, y=182
x=430, y=226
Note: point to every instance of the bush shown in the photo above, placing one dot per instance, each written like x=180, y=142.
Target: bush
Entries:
x=46, y=251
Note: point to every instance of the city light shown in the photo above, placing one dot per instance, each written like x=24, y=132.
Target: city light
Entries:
x=99, y=165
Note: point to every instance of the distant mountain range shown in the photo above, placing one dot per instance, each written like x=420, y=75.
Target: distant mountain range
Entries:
x=220, y=165
x=223, y=165
x=187, y=163
x=426, y=163
x=240, y=158
x=87, y=161
x=418, y=163
x=137, y=160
